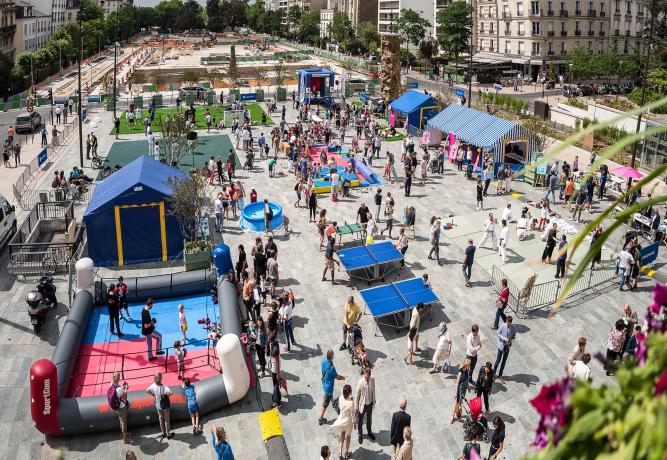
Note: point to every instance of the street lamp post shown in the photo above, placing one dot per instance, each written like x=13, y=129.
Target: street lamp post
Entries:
x=79, y=85
x=472, y=28
x=115, y=71
x=618, y=80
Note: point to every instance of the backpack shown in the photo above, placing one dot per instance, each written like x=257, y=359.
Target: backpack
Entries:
x=112, y=397
x=269, y=214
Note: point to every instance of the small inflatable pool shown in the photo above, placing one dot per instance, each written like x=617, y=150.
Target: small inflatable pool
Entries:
x=252, y=217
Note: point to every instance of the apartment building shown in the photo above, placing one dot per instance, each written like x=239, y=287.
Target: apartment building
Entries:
x=7, y=28
x=111, y=6
x=326, y=16
x=360, y=11
x=389, y=10
x=531, y=35
x=33, y=28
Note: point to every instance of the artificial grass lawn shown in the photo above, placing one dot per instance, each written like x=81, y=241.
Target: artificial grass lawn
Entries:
x=397, y=137
x=217, y=112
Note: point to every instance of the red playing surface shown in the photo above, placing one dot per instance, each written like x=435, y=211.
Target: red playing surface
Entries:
x=92, y=374
x=315, y=155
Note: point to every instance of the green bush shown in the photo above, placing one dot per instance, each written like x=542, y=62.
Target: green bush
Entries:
x=577, y=123
x=574, y=102
x=585, y=122
x=651, y=96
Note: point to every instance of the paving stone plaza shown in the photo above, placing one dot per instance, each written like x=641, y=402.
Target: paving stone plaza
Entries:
x=538, y=354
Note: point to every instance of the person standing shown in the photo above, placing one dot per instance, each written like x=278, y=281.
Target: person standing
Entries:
x=562, y=257
x=473, y=345
x=551, y=244
x=42, y=131
x=506, y=336
x=614, y=345
x=399, y=420
x=408, y=182
x=480, y=196
x=581, y=370
x=121, y=288
x=413, y=334
x=501, y=303
x=116, y=126
x=631, y=319
x=487, y=175
x=443, y=349
x=161, y=395
x=405, y=452
x=485, y=384
x=219, y=213
x=388, y=215
x=286, y=315
x=624, y=266
x=552, y=186
x=364, y=403
x=345, y=421
x=489, y=231
x=312, y=205
x=350, y=318
x=402, y=245
x=268, y=216
x=274, y=361
x=148, y=330
x=579, y=204
x=461, y=386
x=329, y=260
x=222, y=448
x=114, y=310
x=117, y=397
x=329, y=377
x=378, y=203
x=468, y=259
x=502, y=243
x=497, y=438
x=436, y=224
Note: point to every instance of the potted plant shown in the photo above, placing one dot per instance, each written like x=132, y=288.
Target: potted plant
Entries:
x=189, y=204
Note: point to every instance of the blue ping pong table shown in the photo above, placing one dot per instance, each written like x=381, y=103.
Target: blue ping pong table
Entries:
x=393, y=299
x=368, y=259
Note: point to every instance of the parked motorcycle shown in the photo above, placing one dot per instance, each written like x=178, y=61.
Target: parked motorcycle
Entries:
x=41, y=301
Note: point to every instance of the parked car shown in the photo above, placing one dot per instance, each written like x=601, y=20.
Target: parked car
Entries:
x=28, y=122
x=357, y=84
x=199, y=92
x=7, y=221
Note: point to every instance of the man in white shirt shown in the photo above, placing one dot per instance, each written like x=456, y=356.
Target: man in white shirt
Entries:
x=151, y=143
x=581, y=369
x=285, y=313
x=218, y=210
x=502, y=246
x=334, y=182
x=364, y=403
x=507, y=214
x=522, y=227
x=473, y=345
x=489, y=231
x=625, y=262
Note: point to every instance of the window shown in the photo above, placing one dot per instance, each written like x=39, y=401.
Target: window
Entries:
x=506, y=11
x=562, y=6
x=562, y=48
x=563, y=27
x=508, y=47
x=521, y=28
x=590, y=6
x=617, y=6
x=519, y=9
x=576, y=26
x=481, y=11
x=625, y=47
x=628, y=7
x=590, y=46
x=481, y=27
x=590, y=26
x=491, y=45
x=536, y=48
x=601, y=26
x=577, y=5
x=507, y=28
x=521, y=48
x=602, y=7
x=550, y=27
x=549, y=6
x=490, y=27
x=551, y=48
x=536, y=28
x=640, y=8
x=535, y=7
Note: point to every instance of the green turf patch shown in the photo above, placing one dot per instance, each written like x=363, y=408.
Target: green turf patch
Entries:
x=217, y=113
x=397, y=137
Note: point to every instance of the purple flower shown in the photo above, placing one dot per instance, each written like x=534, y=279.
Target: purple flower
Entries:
x=552, y=403
x=660, y=294
x=661, y=386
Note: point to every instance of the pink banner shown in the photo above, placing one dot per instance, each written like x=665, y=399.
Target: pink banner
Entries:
x=451, y=153
x=426, y=138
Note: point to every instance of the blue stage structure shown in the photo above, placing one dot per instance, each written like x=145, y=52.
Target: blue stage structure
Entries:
x=315, y=86
x=370, y=259
x=395, y=298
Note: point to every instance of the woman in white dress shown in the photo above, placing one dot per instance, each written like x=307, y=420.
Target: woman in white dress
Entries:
x=345, y=421
x=443, y=349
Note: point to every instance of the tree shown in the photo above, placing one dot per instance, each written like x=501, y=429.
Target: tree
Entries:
x=309, y=27
x=90, y=11
x=158, y=79
x=368, y=35
x=189, y=202
x=215, y=23
x=6, y=67
x=428, y=48
x=454, y=28
x=293, y=17
x=411, y=26
x=193, y=18
x=259, y=72
x=341, y=28
x=215, y=75
x=191, y=76
x=234, y=12
x=280, y=72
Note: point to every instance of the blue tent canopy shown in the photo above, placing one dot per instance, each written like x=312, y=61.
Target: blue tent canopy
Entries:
x=417, y=106
x=477, y=128
x=127, y=219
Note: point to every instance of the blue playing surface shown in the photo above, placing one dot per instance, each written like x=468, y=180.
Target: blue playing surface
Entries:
x=397, y=297
x=369, y=255
x=166, y=312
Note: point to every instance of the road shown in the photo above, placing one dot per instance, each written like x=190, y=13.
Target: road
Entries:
x=8, y=119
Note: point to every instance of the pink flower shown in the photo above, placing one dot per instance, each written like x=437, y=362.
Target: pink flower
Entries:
x=548, y=399
x=660, y=294
x=661, y=386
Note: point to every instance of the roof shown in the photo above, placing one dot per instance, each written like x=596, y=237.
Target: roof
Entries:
x=411, y=101
x=143, y=171
x=473, y=126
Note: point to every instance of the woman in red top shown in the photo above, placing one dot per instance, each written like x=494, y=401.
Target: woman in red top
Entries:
x=501, y=303
x=253, y=195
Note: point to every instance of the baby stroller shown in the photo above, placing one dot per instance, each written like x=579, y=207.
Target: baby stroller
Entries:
x=476, y=422
x=355, y=345
x=433, y=166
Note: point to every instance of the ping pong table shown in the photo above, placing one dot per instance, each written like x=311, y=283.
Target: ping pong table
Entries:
x=393, y=299
x=349, y=229
x=369, y=259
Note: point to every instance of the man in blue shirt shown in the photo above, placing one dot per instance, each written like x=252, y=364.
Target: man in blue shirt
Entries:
x=222, y=448
x=329, y=376
x=506, y=335
x=552, y=185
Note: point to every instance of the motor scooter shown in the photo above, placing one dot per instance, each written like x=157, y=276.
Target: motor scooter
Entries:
x=41, y=301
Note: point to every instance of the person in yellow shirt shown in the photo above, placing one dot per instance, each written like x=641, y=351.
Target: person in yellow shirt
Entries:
x=351, y=317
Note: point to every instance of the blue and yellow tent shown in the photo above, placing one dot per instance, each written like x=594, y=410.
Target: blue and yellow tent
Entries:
x=127, y=220
x=417, y=107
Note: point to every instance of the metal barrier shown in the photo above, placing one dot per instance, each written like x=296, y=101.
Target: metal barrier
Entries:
x=31, y=197
x=523, y=301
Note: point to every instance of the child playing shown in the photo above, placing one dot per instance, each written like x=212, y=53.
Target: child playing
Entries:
x=180, y=358
x=193, y=407
x=544, y=215
x=182, y=322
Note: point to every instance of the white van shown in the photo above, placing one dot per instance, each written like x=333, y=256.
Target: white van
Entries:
x=7, y=221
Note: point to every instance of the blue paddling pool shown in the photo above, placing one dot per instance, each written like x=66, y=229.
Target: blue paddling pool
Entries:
x=252, y=217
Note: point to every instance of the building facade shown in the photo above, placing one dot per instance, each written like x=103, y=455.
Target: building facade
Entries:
x=360, y=11
x=7, y=28
x=326, y=17
x=389, y=11
x=531, y=35
x=33, y=28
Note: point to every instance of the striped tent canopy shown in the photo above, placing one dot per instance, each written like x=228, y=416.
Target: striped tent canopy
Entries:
x=477, y=128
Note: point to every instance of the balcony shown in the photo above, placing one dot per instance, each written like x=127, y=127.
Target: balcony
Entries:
x=563, y=33
x=8, y=30
x=506, y=14
x=602, y=14
x=563, y=52
x=592, y=13
x=577, y=32
x=491, y=48
x=591, y=33
x=537, y=34
x=618, y=12
x=617, y=32
x=639, y=34
x=551, y=53
x=508, y=32
x=550, y=13
x=519, y=14
x=577, y=12
x=563, y=13
x=551, y=33
x=627, y=33
x=602, y=33
x=535, y=13
x=521, y=32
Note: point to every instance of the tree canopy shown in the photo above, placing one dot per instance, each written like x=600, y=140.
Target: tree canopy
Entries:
x=411, y=26
x=454, y=28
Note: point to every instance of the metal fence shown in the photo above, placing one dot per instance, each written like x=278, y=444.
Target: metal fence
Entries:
x=30, y=197
x=28, y=255
x=523, y=301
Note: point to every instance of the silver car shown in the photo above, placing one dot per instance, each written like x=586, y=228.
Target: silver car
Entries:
x=28, y=122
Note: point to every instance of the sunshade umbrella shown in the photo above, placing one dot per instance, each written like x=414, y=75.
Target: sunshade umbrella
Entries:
x=627, y=171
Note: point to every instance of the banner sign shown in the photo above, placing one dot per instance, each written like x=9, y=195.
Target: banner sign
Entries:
x=650, y=253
